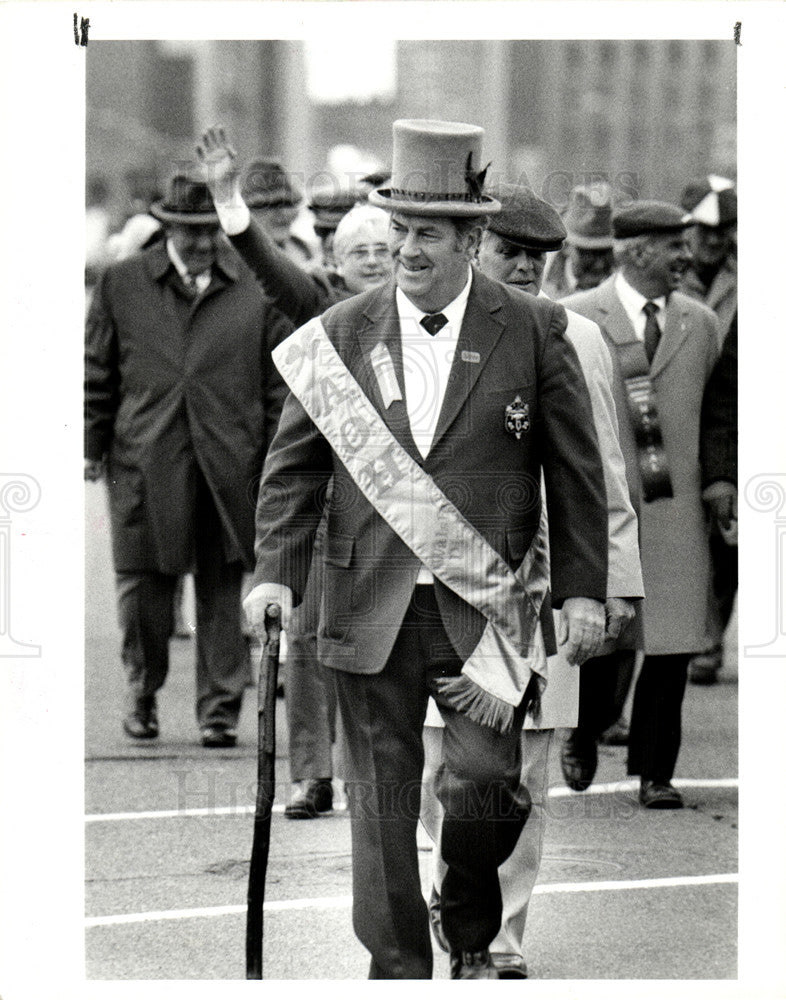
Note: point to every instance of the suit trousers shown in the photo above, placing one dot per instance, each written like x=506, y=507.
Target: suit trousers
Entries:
x=518, y=874
x=145, y=610
x=309, y=693
x=656, y=717
x=603, y=687
x=477, y=785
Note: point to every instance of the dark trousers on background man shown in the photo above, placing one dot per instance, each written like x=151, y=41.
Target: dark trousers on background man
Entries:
x=145, y=608
x=655, y=722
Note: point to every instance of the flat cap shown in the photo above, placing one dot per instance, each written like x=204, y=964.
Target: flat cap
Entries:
x=711, y=201
x=525, y=220
x=267, y=185
x=643, y=217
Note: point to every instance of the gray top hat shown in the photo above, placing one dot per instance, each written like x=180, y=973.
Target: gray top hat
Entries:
x=436, y=171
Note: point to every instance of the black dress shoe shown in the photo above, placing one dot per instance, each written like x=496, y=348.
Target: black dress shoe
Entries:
x=472, y=965
x=579, y=760
x=435, y=918
x=659, y=795
x=141, y=721
x=218, y=736
x=310, y=798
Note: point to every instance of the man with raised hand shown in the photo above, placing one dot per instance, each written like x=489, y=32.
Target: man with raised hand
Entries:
x=435, y=403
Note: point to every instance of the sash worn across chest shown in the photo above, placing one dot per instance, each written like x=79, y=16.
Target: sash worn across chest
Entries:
x=509, y=659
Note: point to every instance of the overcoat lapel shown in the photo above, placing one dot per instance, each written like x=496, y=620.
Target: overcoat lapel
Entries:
x=614, y=319
x=476, y=343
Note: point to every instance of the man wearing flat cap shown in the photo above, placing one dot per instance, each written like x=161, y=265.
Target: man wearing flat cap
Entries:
x=664, y=346
x=181, y=401
x=435, y=403
x=513, y=250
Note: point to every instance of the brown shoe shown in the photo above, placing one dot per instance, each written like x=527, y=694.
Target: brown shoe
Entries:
x=659, y=795
x=472, y=965
x=310, y=799
x=218, y=737
x=579, y=760
x=141, y=721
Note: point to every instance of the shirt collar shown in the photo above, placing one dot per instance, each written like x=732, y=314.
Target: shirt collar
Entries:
x=201, y=280
x=632, y=299
x=453, y=311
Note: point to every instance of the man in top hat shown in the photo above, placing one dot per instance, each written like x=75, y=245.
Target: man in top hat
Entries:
x=663, y=346
x=181, y=402
x=587, y=256
x=712, y=279
x=435, y=403
x=514, y=250
x=274, y=198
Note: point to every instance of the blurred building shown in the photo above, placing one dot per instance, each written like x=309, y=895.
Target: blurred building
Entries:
x=644, y=114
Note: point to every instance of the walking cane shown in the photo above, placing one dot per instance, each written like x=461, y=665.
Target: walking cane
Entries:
x=266, y=786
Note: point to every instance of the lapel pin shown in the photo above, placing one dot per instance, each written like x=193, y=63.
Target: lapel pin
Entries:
x=471, y=356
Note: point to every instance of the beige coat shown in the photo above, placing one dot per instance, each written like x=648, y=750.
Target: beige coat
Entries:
x=674, y=531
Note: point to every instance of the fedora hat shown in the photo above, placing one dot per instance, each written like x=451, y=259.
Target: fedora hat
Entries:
x=436, y=171
x=267, y=185
x=588, y=217
x=187, y=201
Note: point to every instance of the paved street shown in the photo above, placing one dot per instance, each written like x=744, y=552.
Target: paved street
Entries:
x=623, y=893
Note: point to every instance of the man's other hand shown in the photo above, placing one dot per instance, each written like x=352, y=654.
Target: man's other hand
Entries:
x=219, y=167
x=582, y=628
x=721, y=496
x=618, y=613
x=257, y=603
x=93, y=470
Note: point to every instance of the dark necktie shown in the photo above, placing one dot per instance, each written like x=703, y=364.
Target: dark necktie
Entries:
x=433, y=322
x=651, y=330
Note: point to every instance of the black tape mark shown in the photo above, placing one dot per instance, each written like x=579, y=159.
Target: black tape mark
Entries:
x=738, y=33
x=81, y=28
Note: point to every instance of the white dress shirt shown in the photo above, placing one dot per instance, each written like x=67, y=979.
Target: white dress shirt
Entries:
x=427, y=360
x=633, y=303
x=201, y=281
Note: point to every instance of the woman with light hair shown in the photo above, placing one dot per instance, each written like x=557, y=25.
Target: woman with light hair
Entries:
x=360, y=248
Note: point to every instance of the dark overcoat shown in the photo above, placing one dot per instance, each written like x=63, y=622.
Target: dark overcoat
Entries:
x=176, y=386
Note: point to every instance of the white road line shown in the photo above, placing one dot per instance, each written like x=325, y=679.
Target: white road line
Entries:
x=558, y=792
x=344, y=902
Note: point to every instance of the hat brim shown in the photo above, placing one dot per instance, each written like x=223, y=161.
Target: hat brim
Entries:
x=542, y=246
x=158, y=211
x=589, y=242
x=384, y=198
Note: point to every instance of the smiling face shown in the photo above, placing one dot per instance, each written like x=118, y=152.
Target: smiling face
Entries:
x=430, y=258
x=362, y=257
x=513, y=265
x=665, y=262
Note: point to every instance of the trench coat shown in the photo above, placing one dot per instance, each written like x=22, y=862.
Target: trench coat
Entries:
x=674, y=531
x=176, y=387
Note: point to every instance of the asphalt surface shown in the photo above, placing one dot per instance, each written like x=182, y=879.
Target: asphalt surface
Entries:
x=623, y=893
